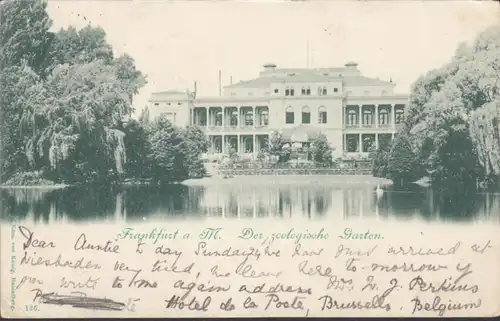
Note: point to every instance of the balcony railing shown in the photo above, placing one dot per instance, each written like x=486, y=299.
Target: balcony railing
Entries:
x=242, y=127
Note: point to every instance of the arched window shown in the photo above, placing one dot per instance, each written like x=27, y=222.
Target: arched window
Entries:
x=249, y=145
x=383, y=116
x=352, y=117
x=306, y=115
x=264, y=118
x=218, y=118
x=233, y=143
x=249, y=118
x=289, y=115
x=218, y=145
x=322, y=115
x=234, y=118
x=400, y=115
x=287, y=91
x=367, y=117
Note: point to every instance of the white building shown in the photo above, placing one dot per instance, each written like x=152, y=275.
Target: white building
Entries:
x=353, y=111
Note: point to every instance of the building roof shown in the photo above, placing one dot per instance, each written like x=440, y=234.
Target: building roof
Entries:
x=310, y=77
x=170, y=95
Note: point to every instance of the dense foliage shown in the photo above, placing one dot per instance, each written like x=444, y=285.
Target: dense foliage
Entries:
x=66, y=101
x=320, y=150
x=451, y=131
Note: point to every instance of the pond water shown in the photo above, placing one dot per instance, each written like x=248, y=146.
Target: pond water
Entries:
x=243, y=201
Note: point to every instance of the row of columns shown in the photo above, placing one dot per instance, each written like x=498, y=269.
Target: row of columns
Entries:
x=240, y=143
x=194, y=115
x=360, y=141
x=375, y=115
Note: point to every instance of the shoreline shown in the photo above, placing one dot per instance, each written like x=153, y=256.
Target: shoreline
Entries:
x=290, y=180
x=55, y=186
x=248, y=179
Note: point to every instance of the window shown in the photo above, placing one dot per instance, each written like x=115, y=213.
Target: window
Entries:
x=249, y=118
x=179, y=103
x=234, y=119
x=335, y=90
x=157, y=104
x=383, y=116
x=289, y=117
x=303, y=92
x=367, y=117
x=352, y=117
x=308, y=91
x=264, y=121
x=325, y=92
x=218, y=118
x=276, y=90
x=320, y=91
x=287, y=91
x=292, y=91
x=322, y=119
x=400, y=117
x=306, y=115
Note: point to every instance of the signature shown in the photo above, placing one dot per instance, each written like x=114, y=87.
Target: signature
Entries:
x=78, y=300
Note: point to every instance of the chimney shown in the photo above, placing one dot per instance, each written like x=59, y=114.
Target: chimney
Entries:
x=351, y=64
x=270, y=67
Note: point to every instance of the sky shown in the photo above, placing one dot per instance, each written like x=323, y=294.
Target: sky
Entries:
x=176, y=43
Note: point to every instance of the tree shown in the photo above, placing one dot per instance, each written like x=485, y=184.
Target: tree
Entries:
x=401, y=161
x=137, y=149
x=167, y=152
x=24, y=33
x=276, y=146
x=21, y=101
x=452, y=111
x=321, y=150
x=66, y=98
x=196, y=143
x=24, y=42
x=82, y=46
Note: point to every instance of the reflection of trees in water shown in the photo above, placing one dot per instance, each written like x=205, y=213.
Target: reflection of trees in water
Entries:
x=77, y=204
x=438, y=203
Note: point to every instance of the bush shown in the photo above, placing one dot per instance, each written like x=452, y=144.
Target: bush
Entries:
x=28, y=179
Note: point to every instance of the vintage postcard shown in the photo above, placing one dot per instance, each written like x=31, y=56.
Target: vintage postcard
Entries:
x=249, y=159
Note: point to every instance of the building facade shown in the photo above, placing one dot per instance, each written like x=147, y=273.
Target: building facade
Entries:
x=353, y=111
